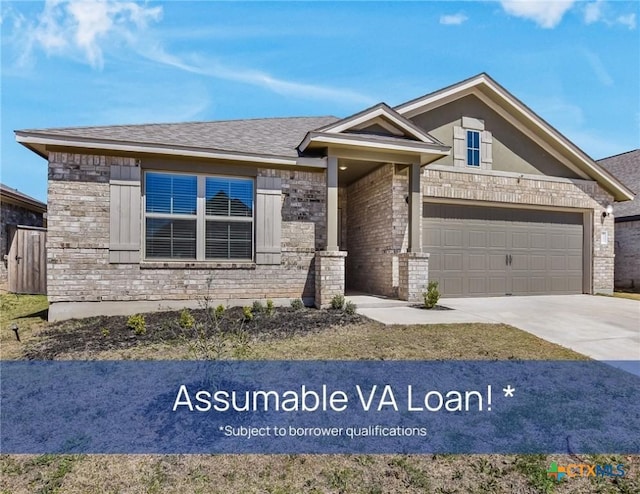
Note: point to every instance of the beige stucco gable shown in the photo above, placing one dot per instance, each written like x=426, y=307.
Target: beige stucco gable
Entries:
x=522, y=118
x=512, y=150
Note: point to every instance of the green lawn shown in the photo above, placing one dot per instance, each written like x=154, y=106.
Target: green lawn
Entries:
x=357, y=339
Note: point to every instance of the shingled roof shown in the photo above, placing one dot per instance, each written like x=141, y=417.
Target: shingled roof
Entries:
x=626, y=168
x=266, y=136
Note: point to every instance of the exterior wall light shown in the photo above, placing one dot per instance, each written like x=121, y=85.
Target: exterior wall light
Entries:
x=607, y=211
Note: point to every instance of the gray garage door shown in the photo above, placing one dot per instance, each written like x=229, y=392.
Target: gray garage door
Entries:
x=480, y=251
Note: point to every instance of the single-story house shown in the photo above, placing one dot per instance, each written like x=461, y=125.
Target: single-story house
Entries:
x=626, y=167
x=466, y=186
x=16, y=209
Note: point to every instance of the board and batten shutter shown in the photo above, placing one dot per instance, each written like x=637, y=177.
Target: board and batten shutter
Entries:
x=486, y=141
x=125, y=218
x=268, y=220
x=459, y=146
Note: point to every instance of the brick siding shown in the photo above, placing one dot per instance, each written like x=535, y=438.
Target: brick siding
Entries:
x=78, y=243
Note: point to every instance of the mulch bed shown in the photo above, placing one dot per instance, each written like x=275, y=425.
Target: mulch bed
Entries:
x=111, y=333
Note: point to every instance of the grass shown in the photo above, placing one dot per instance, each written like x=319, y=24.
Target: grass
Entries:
x=629, y=295
x=282, y=474
x=29, y=313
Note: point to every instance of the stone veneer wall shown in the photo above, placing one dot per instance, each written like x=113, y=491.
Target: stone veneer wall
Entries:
x=580, y=194
x=78, y=243
x=374, y=233
x=627, y=260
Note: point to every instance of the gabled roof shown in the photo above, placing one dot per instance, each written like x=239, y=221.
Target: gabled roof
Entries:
x=524, y=119
x=14, y=196
x=625, y=167
x=382, y=115
x=271, y=137
x=377, y=127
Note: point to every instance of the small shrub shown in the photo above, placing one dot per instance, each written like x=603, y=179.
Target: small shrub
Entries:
x=186, y=320
x=257, y=307
x=247, y=313
x=138, y=324
x=337, y=302
x=270, y=309
x=297, y=304
x=105, y=332
x=432, y=295
x=219, y=311
x=350, y=308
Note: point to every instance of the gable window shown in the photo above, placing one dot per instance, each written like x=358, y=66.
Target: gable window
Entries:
x=473, y=148
x=197, y=217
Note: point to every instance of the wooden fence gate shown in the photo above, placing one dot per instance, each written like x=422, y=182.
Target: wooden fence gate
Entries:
x=27, y=260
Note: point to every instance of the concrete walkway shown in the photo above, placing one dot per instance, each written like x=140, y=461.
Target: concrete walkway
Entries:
x=603, y=328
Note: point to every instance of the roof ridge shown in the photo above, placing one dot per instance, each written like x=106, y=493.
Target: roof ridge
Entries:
x=192, y=122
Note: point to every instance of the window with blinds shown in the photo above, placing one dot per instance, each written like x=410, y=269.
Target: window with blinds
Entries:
x=198, y=217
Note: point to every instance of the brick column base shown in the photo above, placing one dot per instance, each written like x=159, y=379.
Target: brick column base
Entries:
x=413, y=275
x=329, y=276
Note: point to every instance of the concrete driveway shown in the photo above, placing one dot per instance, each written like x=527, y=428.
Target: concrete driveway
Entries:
x=603, y=328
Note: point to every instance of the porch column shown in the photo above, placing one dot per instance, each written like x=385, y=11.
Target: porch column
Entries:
x=415, y=209
x=332, y=204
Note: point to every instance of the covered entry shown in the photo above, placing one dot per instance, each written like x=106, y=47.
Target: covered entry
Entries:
x=490, y=251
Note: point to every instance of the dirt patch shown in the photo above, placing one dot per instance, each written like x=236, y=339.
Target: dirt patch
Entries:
x=98, y=334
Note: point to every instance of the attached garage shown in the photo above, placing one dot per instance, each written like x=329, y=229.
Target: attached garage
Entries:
x=489, y=251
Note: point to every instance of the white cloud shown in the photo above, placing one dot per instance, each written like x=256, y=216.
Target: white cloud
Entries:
x=628, y=20
x=593, y=12
x=598, y=68
x=547, y=14
x=83, y=28
x=453, y=19
x=602, y=11
x=213, y=68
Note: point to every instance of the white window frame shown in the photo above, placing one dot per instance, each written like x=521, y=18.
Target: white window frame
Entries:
x=201, y=218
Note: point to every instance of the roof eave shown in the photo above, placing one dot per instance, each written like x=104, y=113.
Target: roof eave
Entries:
x=37, y=142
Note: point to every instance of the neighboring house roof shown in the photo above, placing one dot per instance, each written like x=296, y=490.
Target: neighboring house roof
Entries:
x=626, y=167
x=524, y=119
x=14, y=196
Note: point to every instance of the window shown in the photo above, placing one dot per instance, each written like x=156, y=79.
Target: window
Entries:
x=198, y=217
x=473, y=148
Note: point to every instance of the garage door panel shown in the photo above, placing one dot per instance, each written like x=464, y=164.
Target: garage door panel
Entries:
x=574, y=242
x=477, y=239
x=431, y=237
x=497, y=239
x=574, y=263
x=520, y=240
x=452, y=286
x=496, y=285
x=537, y=240
x=452, y=238
x=497, y=262
x=478, y=262
x=558, y=241
x=558, y=262
x=453, y=261
x=477, y=286
x=469, y=248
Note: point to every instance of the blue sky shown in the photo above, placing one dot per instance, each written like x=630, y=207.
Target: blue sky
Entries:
x=576, y=63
